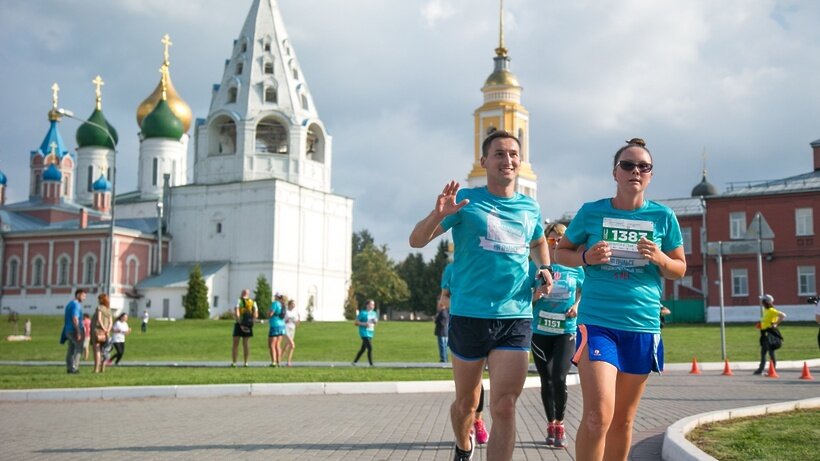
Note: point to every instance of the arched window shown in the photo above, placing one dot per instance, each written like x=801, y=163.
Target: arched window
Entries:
x=90, y=177
x=295, y=74
x=13, y=272
x=239, y=67
x=132, y=266
x=37, y=271
x=222, y=136
x=62, y=271
x=267, y=46
x=269, y=67
x=271, y=95
x=89, y=270
x=315, y=144
x=271, y=137
x=305, y=103
x=232, y=92
x=244, y=46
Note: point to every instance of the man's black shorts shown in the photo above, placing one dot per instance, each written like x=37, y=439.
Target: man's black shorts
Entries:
x=242, y=331
x=472, y=338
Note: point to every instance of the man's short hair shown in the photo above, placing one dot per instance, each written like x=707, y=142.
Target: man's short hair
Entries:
x=485, y=146
x=78, y=291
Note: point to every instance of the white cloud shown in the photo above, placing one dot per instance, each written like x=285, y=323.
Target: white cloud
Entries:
x=436, y=10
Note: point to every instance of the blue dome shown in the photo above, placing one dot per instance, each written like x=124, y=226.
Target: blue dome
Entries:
x=53, y=136
x=2, y=179
x=52, y=174
x=101, y=184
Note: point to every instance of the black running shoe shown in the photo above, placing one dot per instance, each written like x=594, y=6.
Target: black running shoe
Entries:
x=461, y=455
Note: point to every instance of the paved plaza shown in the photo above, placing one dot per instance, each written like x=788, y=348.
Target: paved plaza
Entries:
x=345, y=427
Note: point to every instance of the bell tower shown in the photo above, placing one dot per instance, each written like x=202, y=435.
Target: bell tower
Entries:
x=502, y=110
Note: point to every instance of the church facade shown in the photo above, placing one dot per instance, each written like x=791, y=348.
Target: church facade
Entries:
x=260, y=200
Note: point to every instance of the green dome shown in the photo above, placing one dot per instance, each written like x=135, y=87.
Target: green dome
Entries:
x=91, y=133
x=162, y=123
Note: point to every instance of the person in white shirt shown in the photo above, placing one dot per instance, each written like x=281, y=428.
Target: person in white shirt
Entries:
x=120, y=331
x=292, y=320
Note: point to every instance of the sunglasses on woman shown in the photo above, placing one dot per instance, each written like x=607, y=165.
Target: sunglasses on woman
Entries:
x=553, y=241
x=643, y=167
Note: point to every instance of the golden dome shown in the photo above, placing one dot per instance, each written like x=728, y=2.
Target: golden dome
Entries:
x=178, y=106
x=502, y=78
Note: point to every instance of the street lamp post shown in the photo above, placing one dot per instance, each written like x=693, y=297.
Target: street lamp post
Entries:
x=110, y=256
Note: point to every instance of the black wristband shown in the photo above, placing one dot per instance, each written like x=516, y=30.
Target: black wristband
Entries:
x=547, y=268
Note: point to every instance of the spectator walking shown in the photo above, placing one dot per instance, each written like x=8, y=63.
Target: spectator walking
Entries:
x=770, y=338
x=27, y=328
x=245, y=313
x=86, y=335
x=276, y=316
x=292, y=320
x=119, y=332
x=144, y=326
x=73, y=332
x=101, y=331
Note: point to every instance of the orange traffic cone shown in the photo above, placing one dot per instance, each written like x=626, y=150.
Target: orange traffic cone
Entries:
x=726, y=370
x=806, y=373
x=695, y=369
x=772, y=371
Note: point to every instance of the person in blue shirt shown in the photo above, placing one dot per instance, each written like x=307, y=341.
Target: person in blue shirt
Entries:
x=276, y=316
x=495, y=229
x=628, y=245
x=73, y=331
x=553, y=338
x=366, y=320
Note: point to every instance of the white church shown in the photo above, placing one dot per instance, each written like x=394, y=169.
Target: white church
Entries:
x=259, y=202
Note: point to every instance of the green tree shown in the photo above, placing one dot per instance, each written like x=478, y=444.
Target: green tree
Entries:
x=374, y=277
x=196, y=299
x=262, y=295
x=361, y=240
x=413, y=270
x=434, y=270
x=351, y=304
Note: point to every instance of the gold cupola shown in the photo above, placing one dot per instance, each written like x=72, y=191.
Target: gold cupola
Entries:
x=178, y=106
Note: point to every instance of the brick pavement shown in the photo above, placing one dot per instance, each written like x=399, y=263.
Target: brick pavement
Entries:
x=343, y=427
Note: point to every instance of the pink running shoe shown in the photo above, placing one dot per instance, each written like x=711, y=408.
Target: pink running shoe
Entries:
x=560, y=436
x=550, y=434
x=481, y=434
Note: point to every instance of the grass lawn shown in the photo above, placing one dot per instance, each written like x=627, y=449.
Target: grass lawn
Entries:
x=793, y=435
x=210, y=340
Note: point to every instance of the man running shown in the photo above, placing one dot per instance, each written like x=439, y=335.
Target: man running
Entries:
x=494, y=229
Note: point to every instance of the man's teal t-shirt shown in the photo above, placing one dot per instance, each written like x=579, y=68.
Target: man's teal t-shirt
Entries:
x=492, y=238
x=549, y=313
x=447, y=276
x=624, y=294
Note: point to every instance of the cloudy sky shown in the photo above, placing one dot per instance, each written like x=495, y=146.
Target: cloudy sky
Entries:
x=396, y=83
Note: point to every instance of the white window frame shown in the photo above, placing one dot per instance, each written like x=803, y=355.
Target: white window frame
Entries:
x=13, y=273
x=740, y=283
x=803, y=222
x=38, y=265
x=92, y=266
x=132, y=269
x=737, y=225
x=63, y=271
x=686, y=233
x=806, y=281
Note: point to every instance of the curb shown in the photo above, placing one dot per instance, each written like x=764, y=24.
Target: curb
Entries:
x=267, y=389
x=677, y=448
x=241, y=390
